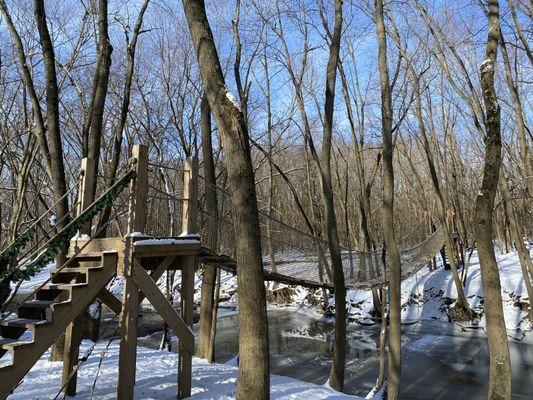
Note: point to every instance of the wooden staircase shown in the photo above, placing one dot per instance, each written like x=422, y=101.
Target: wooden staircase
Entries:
x=47, y=317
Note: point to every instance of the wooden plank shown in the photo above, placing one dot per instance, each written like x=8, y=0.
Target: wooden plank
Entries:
x=187, y=311
x=147, y=285
x=110, y=301
x=150, y=250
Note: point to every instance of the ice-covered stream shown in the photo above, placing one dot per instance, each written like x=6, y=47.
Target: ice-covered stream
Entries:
x=440, y=360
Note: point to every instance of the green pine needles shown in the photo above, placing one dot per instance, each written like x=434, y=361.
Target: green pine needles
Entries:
x=14, y=248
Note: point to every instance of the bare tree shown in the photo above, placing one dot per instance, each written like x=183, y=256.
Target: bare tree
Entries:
x=500, y=364
x=388, y=210
x=253, y=380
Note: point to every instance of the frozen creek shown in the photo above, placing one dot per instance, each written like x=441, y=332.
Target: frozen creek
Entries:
x=440, y=360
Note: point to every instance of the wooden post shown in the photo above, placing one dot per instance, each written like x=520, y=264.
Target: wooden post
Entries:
x=70, y=356
x=188, y=268
x=187, y=311
x=86, y=195
x=130, y=293
x=73, y=332
x=140, y=153
x=190, y=196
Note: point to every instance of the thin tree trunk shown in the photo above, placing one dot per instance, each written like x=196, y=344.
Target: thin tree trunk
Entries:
x=207, y=303
x=500, y=365
x=99, y=93
x=336, y=376
x=523, y=254
x=111, y=171
x=394, y=367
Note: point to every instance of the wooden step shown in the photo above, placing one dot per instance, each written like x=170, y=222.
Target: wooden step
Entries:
x=23, y=322
x=34, y=308
x=4, y=341
x=86, y=256
x=67, y=270
x=38, y=304
x=63, y=286
x=17, y=344
x=12, y=332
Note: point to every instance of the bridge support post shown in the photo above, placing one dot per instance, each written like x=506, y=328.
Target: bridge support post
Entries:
x=188, y=268
x=190, y=196
x=73, y=331
x=130, y=294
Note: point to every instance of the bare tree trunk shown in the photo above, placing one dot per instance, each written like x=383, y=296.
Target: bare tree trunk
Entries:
x=391, y=245
x=58, y=178
x=500, y=365
x=462, y=303
x=207, y=303
x=111, y=171
x=253, y=379
x=336, y=376
x=99, y=93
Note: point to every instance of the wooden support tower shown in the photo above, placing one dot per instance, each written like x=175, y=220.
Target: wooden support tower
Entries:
x=138, y=283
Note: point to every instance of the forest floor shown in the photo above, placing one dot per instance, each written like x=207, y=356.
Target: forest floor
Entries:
x=425, y=296
x=428, y=295
x=156, y=378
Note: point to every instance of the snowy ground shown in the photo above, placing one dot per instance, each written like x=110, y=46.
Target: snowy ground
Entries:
x=424, y=294
x=156, y=379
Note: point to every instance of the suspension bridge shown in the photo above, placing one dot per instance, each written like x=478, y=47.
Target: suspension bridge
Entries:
x=159, y=218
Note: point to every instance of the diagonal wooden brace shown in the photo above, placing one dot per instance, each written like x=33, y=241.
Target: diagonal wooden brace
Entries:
x=147, y=285
x=110, y=301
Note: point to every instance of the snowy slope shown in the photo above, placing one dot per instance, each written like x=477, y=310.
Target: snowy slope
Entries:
x=424, y=294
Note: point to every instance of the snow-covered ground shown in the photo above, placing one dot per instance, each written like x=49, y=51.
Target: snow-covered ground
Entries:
x=156, y=379
x=424, y=295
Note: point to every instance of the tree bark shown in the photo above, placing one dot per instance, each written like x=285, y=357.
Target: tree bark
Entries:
x=394, y=367
x=336, y=376
x=253, y=378
x=111, y=171
x=207, y=295
x=99, y=94
x=500, y=365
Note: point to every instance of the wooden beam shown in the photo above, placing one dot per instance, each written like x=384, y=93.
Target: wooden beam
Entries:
x=158, y=272
x=149, y=250
x=187, y=311
x=110, y=301
x=190, y=195
x=86, y=191
x=147, y=285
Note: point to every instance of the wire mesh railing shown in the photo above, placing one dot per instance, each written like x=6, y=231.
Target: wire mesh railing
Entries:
x=289, y=251
x=286, y=250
